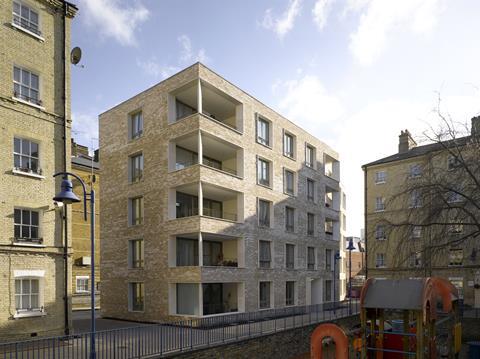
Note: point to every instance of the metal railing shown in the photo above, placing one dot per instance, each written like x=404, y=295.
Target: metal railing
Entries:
x=181, y=336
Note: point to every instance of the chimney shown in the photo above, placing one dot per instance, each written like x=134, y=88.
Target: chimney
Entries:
x=475, y=126
x=96, y=155
x=405, y=142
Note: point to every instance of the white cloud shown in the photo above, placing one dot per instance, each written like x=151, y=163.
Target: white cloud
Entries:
x=85, y=129
x=321, y=11
x=187, y=56
x=380, y=18
x=281, y=25
x=112, y=18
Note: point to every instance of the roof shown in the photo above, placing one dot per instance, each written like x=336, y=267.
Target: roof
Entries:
x=85, y=162
x=395, y=294
x=420, y=151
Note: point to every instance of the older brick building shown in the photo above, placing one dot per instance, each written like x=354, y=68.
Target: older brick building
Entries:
x=213, y=203
x=34, y=144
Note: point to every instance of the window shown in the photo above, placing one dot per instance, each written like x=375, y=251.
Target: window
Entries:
x=26, y=226
x=27, y=294
x=311, y=263
x=265, y=255
x=186, y=205
x=380, y=177
x=309, y=156
x=136, y=125
x=456, y=257
x=136, y=252
x=453, y=162
x=310, y=190
x=458, y=283
x=136, y=167
x=289, y=293
x=289, y=256
x=264, y=295
x=416, y=232
x=289, y=182
x=25, y=155
x=26, y=85
x=310, y=224
x=288, y=145
x=136, y=296
x=415, y=259
x=263, y=172
x=415, y=171
x=82, y=284
x=264, y=213
x=136, y=211
x=328, y=291
x=289, y=219
x=456, y=228
x=415, y=199
x=328, y=260
x=329, y=226
x=263, y=131
x=380, y=260
x=379, y=204
x=187, y=252
x=26, y=18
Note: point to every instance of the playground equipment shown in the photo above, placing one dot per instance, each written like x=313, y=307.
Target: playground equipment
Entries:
x=406, y=318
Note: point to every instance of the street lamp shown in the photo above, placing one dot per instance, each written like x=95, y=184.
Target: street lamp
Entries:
x=67, y=196
x=335, y=259
x=350, y=248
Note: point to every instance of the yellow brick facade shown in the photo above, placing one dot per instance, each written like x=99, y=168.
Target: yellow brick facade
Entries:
x=41, y=123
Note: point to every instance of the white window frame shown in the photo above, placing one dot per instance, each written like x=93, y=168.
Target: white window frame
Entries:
x=380, y=260
x=31, y=275
x=133, y=161
x=380, y=177
x=380, y=233
x=452, y=163
x=268, y=142
x=415, y=170
x=415, y=199
x=19, y=95
x=417, y=232
x=131, y=296
x=452, y=263
x=28, y=157
x=29, y=239
x=134, y=119
x=292, y=153
x=132, y=261
x=379, y=204
x=17, y=22
x=311, y=163
x=82, y=278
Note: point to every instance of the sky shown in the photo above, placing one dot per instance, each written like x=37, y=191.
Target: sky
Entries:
x=354, y=73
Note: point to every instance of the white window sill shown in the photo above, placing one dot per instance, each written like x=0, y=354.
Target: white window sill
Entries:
x=379, y=210
x=27, y=174
x=29, y=244
x=28, y=103
x=29, y=314
x=38, y=37
x=381, y=182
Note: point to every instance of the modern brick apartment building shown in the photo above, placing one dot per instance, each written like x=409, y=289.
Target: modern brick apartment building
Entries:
x=88, y=168
x=34, y=144
x=426, y=247
x=213, y=203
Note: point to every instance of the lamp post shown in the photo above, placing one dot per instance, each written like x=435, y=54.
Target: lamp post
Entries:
x=335, y=259
x=350, y=248
x=67, y=196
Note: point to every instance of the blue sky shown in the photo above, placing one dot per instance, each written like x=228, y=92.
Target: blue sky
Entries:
x=353, y=72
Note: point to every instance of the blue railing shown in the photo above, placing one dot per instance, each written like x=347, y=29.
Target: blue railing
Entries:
x=180, y=336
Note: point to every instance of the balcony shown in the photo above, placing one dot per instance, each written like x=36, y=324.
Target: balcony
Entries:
x=206, y=250
x=202, y=299
x=332, y=198
x=332, y=229
x=332, y=167
x=208, y=200
x=201, y=97
x=214, y=152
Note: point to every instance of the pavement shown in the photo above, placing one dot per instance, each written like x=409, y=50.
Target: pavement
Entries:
x=81, y=322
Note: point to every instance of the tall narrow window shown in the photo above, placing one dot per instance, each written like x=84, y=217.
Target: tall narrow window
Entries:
x=27, y=294
x=187, y=252
x=380, y=177
x=379, y=204
x=288, y=145
x=82, y=284
x=136, y=211
x=136, y=125
x=26, y=85
x=265, y=255
x=25, y=17
x=328, y=260
x=311, y=262
x=264, y=295
x=289, y=219
x=415, y=170
x=310, y=224
x=26, y=225
x=136, y=167
x=264, y=213
x=456, y=256
x=380, y=232
x=263, y=132
x=310, y=190
x=290, y=293
x=25, y=155
x=136, y=296
x=289, y=182
x=416, y=232
x=136, y=252
x=263, y=172
x=309, y=156
x=415, y=259
x=289, y=256
x=380, y=260
x=328, y=291
x=415, y=199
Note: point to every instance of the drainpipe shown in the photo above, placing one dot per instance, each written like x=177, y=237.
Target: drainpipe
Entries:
x=65, y=144
x=365, y=231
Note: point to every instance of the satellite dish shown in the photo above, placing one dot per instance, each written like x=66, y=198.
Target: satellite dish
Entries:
x=75, y=55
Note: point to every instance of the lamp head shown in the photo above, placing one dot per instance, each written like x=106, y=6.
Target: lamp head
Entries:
x=350, y=246
x=66, y=194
